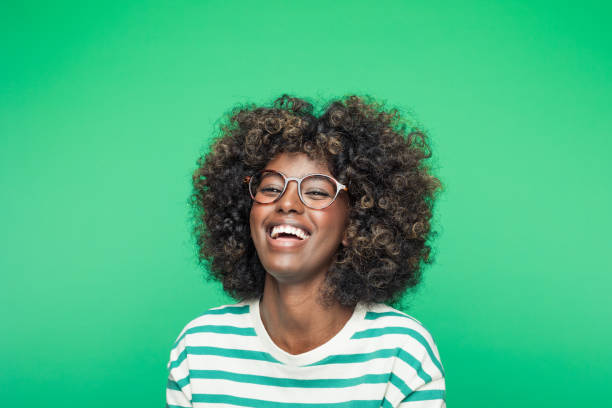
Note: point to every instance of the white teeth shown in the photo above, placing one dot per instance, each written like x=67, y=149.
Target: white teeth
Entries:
x=287, y=229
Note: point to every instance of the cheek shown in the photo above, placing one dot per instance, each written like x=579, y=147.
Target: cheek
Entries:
x=333, y=223
x=252, y=222
x=256, y=219
x=253, y=216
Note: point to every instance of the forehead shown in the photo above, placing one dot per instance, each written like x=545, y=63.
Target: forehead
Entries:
x=297, y=165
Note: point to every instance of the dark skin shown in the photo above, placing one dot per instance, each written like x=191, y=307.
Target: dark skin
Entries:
x=291, y=308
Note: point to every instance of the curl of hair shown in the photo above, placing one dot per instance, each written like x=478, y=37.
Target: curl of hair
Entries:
x=378, y=156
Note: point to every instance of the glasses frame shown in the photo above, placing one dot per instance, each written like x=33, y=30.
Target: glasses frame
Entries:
x=339, y=187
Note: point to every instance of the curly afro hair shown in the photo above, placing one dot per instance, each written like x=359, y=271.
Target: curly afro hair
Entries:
x=377, y=155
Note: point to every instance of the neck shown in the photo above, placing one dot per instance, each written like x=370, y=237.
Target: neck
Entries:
x=295, y=317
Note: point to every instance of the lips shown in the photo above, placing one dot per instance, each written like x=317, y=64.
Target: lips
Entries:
x=286, y=235
x=287, y=227
x=288, y=231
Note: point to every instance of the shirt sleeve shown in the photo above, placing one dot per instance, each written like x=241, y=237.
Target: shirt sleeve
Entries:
x=428, y=395
x=178, y=388
x=427, y=389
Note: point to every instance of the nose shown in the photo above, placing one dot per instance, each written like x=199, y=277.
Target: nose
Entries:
x=290, y=200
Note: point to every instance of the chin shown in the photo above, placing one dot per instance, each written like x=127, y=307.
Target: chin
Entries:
x=286, y=273
x=281, y=273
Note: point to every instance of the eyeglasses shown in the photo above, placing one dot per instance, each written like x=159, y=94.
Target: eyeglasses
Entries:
x=316, y=191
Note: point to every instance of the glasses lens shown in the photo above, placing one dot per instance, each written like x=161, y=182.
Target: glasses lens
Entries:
x=266, y=186
x=318, y=191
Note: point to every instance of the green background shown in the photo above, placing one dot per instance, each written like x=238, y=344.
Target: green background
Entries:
x=105, y=106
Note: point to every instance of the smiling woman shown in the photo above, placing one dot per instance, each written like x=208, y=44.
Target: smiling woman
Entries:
x=319, y=232
x=312, y=224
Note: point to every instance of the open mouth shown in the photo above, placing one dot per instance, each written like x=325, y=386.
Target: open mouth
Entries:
x=288, y=232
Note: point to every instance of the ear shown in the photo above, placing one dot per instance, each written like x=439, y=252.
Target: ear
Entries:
x=345, y=241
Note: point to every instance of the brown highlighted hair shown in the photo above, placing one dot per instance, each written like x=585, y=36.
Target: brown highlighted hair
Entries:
x=380, y=157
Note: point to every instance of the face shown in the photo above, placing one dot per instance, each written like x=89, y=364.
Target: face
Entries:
x=305, y=239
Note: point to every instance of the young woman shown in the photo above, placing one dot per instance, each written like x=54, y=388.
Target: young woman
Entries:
x=312, y=223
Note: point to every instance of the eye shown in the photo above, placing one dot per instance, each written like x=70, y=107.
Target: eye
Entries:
x=317, y=194
x=269, y=190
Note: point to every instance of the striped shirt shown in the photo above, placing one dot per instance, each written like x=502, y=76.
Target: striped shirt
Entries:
x=381, y=357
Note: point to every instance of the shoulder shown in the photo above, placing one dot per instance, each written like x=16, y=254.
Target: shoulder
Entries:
x=391, y=328
x=417, y=371
x=221, y=320
x=380, y=319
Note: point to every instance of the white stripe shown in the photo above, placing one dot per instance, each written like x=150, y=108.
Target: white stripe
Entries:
x=253, y=367
x=289, y=394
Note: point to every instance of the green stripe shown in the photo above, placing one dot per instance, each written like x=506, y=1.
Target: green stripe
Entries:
x=381, y=331
x=172, y=385
x=414, y=363
x=231, y=353
x=290, y=382
x=251, y=402
x=400, y=384
x=183, y=382
x=178, y=360
x=212, y=328
x=426, y=395
x=237, y=310
x=223, y=352
x=377, y=332
x=174, y=406
x=386, y=404
x=357, y=358
x=377, y=315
